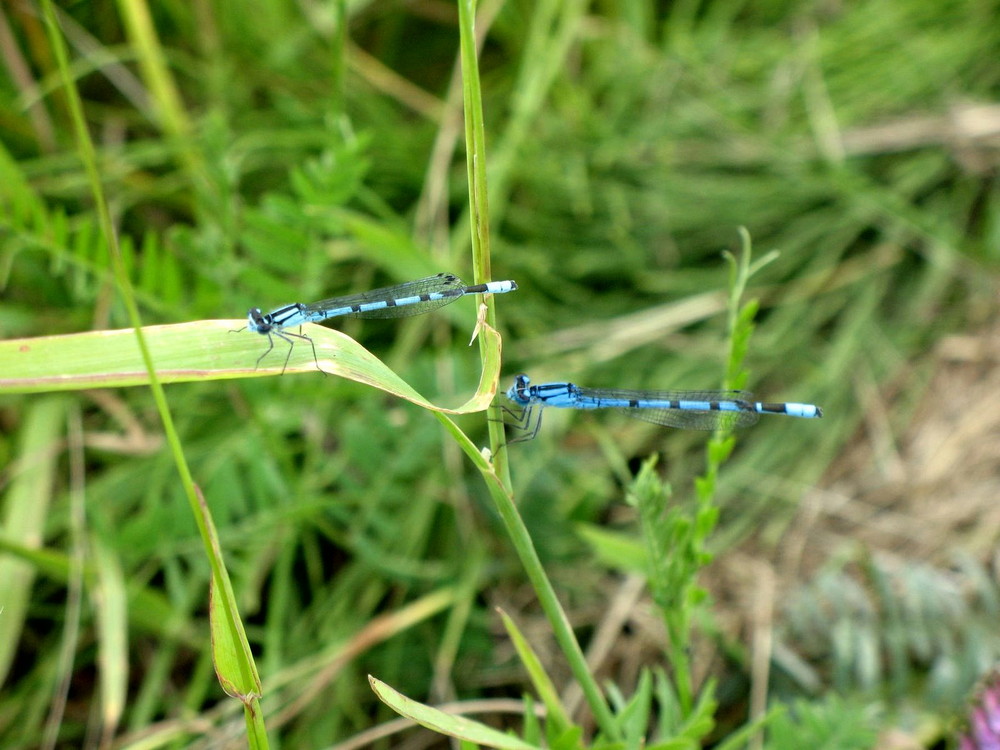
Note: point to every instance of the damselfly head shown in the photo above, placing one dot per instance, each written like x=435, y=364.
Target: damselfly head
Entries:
x=519, y=391
x=257, y=321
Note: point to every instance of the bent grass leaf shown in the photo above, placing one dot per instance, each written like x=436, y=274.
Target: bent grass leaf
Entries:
x=209, y=350
x=451, y=725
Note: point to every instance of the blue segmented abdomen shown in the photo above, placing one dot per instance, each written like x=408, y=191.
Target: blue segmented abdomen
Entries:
x=699, y=410
x=402, y=300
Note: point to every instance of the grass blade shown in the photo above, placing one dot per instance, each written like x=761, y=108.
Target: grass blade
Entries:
x=112, y=633
x=25, y=511
x=207, y=350
x=453, y=726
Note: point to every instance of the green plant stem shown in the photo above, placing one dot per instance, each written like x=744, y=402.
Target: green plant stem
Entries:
x=503, y=499
x=88, y=155
x=338, y=82
x=168, y=105
x=561, y=628
x=498, y=478
x=475, y=146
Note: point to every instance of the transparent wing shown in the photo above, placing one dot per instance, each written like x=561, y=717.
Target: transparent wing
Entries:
x=742, y=413
x=440, y=283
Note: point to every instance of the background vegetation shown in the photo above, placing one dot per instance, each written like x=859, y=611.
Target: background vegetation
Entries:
x=292, y=151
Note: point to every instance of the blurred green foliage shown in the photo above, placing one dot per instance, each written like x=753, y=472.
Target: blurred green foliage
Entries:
x=255, y=156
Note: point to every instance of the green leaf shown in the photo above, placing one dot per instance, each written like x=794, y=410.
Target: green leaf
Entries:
x=227, y=652
x=536, y=672
x=112, y=630
x=615, y=549
x=208, y=350
x=231, y=653
x=532, y=729
x=454, y=726
x=633, y=717
x=25, y=510
x=571, y=739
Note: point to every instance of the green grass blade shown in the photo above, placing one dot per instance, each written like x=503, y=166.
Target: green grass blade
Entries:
x=88, y=155
x=110, y=599
x=234, y=663
x=230, y=664
x=476, y=160
x=453, y=726
x=208, y=350
x=231, y=655
x=546, y=690
x=168, y=103
x=25, y=509
x=615, y=549
x=503, y=494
